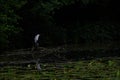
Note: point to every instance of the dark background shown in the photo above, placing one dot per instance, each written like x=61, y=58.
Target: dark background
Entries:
x=59, y=22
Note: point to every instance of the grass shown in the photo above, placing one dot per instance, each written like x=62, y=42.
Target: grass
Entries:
x=96, y=69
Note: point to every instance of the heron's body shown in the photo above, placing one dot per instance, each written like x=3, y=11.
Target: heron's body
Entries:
x=36, y=38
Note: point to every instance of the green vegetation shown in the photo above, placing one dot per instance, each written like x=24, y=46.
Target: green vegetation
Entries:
x=58, y=21
x=98, y=69
x=87, y=27
x=9, y=31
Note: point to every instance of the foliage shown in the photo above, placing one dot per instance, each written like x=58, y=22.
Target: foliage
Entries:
x=96, y=32
x=85, y=69
x=8, y=21
x=58, y=21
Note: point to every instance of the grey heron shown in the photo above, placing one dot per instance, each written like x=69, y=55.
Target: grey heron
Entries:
x=36, y=39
